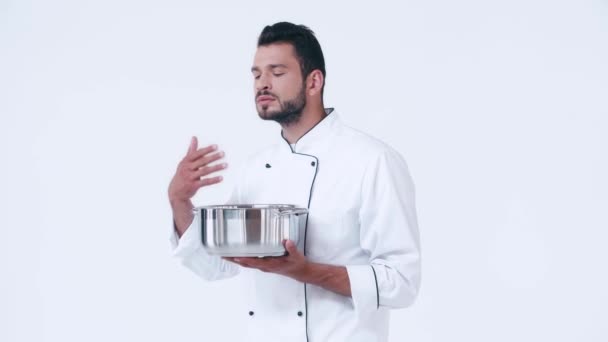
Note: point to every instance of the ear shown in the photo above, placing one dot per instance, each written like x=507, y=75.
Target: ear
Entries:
x=315, y=82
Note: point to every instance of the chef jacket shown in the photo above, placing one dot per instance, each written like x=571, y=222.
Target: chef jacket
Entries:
x=362, y=216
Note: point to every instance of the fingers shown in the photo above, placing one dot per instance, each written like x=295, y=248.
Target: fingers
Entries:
x=257, y=263
x=262, y=264
x=208, y=170
x=239, y=261
x=231, y=259
x=208, y=159
x=196, y=154
x=209, y=181
x=188, y=178
x=291, y=247
x=193, y=145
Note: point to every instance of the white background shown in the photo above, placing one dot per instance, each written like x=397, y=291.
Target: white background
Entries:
x=499, y=107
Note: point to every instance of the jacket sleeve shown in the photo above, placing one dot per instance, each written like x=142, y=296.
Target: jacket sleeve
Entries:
x=189, y=250
x=389, y=234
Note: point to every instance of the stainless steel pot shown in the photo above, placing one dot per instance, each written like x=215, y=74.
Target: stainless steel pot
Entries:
x=249, y=230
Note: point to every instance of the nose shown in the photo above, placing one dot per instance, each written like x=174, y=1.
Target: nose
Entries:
x=262, y=83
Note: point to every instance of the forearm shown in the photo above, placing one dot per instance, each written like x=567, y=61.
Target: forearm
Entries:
x=329, y=277
x=182, y=215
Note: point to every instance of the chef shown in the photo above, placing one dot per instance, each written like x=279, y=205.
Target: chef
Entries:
x=359, y=256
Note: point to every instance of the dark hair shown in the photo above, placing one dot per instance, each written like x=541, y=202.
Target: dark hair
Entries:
x=306, y=46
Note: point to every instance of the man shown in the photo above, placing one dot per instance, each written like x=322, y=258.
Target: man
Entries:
x=360, y=255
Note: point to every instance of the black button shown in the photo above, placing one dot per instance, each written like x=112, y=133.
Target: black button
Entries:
x=300, y=313
x=313, y=163
x=250, y=313
x=268, y=166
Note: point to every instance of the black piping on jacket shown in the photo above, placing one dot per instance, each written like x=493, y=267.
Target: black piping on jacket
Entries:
x=308, y=207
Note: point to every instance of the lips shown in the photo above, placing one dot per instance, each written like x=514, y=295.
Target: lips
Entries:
x=265, y=99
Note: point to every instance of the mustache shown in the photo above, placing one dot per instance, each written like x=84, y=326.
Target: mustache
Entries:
x=266, y=93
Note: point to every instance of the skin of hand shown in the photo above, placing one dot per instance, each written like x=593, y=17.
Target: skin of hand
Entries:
x=296, y=266
x=189, y=178
x=291, y=265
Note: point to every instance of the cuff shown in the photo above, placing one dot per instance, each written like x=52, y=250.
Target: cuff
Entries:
x=189, y=242
x=363, y=288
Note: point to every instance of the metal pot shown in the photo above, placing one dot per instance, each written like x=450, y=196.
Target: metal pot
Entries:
x=255, y=230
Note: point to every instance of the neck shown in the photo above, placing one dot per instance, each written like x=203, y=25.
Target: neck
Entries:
x=310, y=117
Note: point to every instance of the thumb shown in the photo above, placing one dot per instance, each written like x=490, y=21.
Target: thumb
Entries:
x=291, y=247
x=193, y=145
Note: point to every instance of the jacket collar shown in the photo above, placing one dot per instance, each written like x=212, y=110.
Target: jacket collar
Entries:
x=314, y=138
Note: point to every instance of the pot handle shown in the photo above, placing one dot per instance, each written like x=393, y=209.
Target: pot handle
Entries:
x=296, y=211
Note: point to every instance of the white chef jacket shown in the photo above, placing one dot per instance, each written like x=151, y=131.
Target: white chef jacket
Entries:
x=362, y=216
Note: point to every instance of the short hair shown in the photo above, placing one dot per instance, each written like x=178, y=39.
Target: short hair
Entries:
x=307, y=48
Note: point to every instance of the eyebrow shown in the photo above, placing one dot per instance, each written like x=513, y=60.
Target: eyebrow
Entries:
x=271, y=66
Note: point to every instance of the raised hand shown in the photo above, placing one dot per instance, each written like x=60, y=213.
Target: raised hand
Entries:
x=190, y=176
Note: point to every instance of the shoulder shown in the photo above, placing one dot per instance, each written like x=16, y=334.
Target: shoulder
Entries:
x=381, y=165
x=367, y=147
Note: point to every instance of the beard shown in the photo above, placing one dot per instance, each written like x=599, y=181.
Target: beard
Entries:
x=289, y=111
